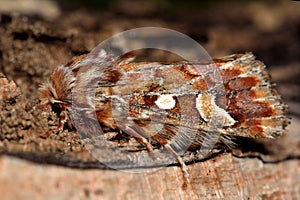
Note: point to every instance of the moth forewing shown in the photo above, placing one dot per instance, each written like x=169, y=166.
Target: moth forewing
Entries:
x=178, y=105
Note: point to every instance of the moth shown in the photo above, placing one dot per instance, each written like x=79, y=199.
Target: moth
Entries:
x=177, y=105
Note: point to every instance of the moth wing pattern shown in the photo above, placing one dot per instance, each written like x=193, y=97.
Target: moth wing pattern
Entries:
x=179, y=105
x=252, y=99
x=252, y=107
x=159, y=98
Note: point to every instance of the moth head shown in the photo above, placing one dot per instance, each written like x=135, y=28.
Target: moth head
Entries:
x=48, y=97
x=57, y=90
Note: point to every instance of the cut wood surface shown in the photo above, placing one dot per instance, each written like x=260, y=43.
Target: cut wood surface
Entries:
x=223, y=177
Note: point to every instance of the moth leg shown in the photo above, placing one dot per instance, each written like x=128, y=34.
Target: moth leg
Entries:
x=140, y=138
x=183, y=166
x=63, y=118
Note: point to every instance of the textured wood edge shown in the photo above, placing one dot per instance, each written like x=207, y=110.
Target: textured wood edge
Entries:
x=222, y=177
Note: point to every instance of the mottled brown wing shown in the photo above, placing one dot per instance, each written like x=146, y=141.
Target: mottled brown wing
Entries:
x=252, y=99
x=231, y=95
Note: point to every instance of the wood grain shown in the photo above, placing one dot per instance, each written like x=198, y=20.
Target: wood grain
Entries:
x=223, y=177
